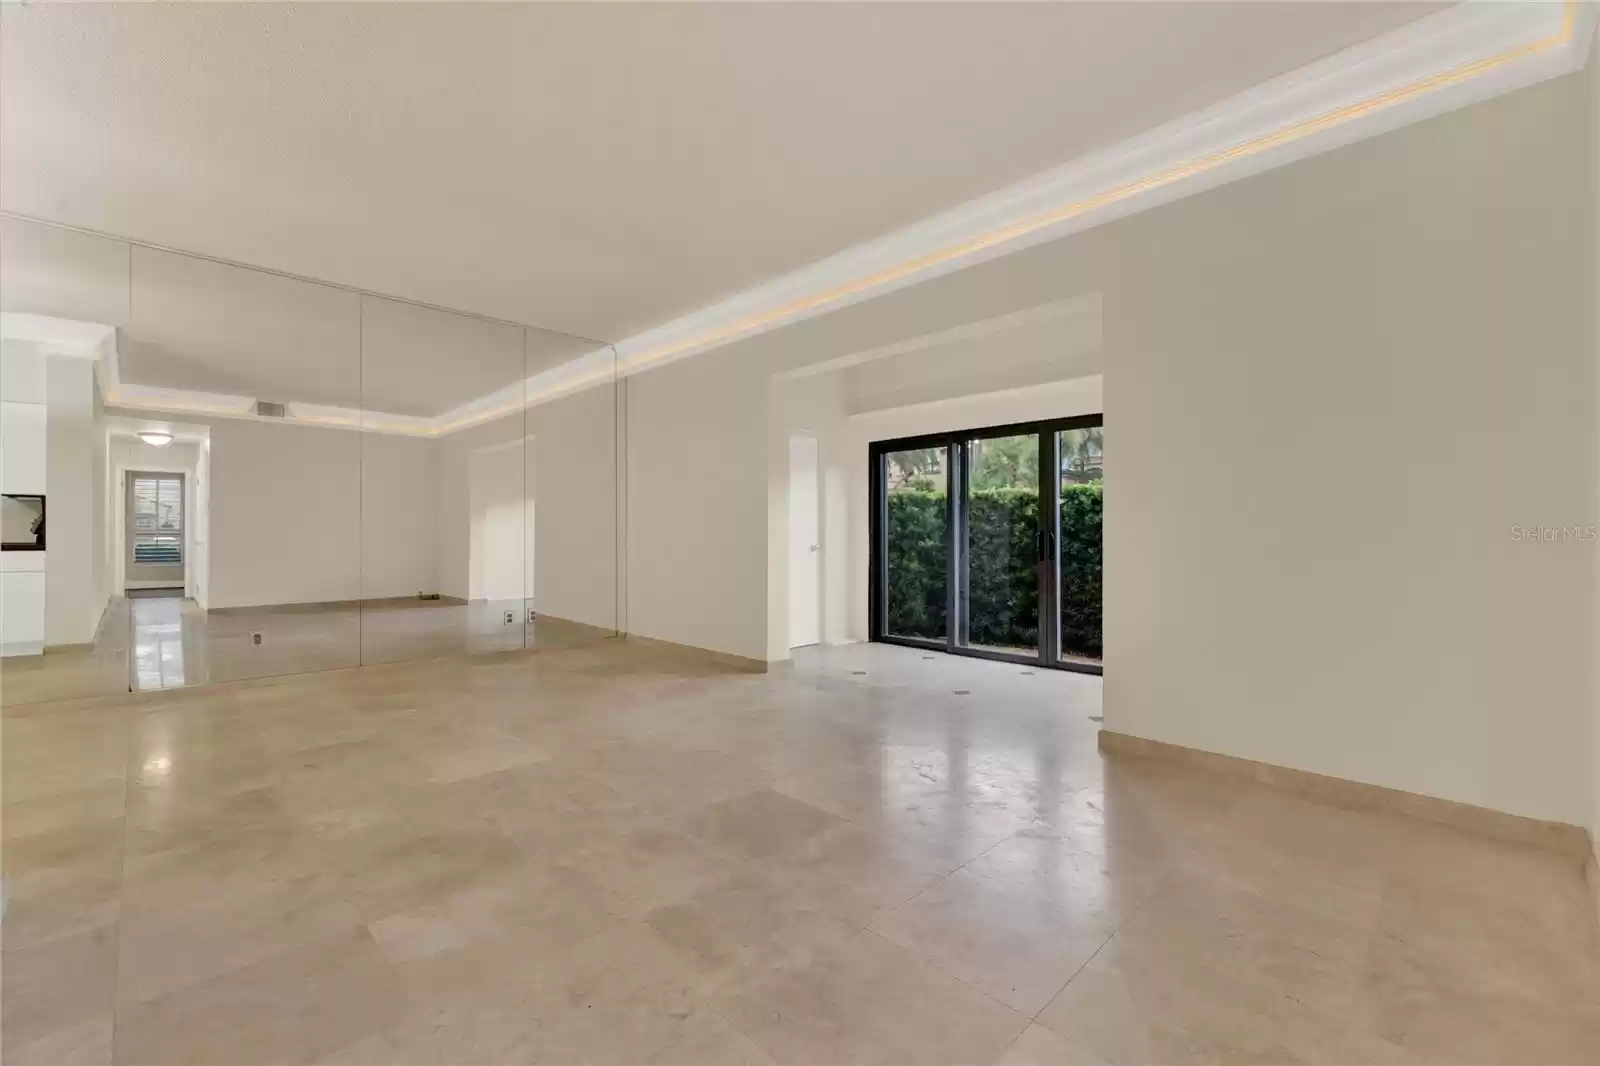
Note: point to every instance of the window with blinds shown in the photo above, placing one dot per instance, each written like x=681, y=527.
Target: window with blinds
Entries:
x=158, y=520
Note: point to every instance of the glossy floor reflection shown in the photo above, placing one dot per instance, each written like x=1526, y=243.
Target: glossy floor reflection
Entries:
x=162, y=657
x=166, y=642
x=622, y=855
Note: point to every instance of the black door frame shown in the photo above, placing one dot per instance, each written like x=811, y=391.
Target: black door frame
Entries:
x=956, y=598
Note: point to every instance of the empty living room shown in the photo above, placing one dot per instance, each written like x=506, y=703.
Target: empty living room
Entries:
x=800, y=534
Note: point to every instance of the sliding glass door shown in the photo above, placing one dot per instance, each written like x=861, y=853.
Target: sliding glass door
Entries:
x=998, y=522
x=1078, y=537
x=987, y=542
x=916, y=490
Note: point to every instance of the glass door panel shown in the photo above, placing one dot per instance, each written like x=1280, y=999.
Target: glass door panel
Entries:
x=1082, y=484
x=1000, y=553
x=917, y=544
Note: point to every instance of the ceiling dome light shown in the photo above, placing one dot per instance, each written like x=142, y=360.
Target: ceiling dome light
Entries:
x=159, y=440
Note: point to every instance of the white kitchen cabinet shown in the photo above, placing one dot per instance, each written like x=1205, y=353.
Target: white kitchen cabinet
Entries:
x=22, y=448
x=22, y=603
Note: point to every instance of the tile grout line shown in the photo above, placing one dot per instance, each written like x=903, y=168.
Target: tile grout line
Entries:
x=964, y=983
x=758, y=1045
x=1033, y=1017
x=1011, y=1046
x=1115, y=932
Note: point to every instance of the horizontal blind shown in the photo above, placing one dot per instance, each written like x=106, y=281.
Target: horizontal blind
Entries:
x=158, y=521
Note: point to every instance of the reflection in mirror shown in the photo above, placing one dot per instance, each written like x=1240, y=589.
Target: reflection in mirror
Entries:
x=286, y=546
x=442, y=525
x=278, y=476
x=482, y=530
x=279, y=358
x=57, y=637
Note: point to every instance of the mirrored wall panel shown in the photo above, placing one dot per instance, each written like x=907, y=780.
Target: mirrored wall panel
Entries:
x=53, y=495
x=275, y=586
x=213, y=473
x=443, y=530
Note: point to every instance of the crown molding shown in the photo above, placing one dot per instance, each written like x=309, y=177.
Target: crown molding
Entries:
x=1086, y=309
x=192, y=404
x=1462, y=55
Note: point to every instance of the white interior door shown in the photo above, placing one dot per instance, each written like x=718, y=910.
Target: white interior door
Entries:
x=805, y=544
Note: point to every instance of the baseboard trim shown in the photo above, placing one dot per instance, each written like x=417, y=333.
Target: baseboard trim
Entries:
x=1554, y=836
x=415, y=601
x=741, y=663
x=304, y=607
x=309, y=606
x=1591, y=870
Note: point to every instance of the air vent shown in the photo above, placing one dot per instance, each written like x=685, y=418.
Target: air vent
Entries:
x=269, y=410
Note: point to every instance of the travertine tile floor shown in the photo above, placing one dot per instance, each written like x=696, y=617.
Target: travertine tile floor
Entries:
x=613, y=855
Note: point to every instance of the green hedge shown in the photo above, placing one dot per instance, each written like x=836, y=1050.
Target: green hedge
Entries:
x=1004, y=605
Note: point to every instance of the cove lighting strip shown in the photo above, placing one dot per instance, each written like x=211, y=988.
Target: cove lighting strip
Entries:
x=1210, y=161
x=595, y=369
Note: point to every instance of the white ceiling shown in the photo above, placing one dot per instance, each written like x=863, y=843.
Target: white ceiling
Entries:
x=595, y=169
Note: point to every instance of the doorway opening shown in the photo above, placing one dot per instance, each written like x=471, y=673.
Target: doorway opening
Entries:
x=987, y=542
x=805, y=544
x=155, y=522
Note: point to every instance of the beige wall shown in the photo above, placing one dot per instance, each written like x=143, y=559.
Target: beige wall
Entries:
x=574, y=481
x=1591, y=81
x=72, y=603
x=1330, y=392
x=1333, y=391
x=697, y=495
